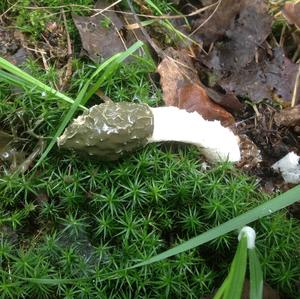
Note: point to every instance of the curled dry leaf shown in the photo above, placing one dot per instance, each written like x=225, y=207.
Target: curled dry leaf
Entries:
x=289, y=117
x=291, y=11
x=192, y=97
x=182, y=88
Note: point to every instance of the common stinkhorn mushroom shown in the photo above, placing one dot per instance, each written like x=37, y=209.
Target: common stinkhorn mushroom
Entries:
x=110, y=130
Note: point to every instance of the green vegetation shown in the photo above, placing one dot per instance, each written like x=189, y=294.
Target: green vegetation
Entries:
x=70, y=227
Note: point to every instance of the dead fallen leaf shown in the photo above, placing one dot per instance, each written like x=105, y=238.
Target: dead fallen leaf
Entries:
x=182, y=87
x=192, y=97
x=213, y=23
x=268, y=292
x=240, y=42
x=100, y=35
x=291, y=11
x=262, y=80
x=228, y=100
x=289, y=117
x=175, y=70
x=11, y=46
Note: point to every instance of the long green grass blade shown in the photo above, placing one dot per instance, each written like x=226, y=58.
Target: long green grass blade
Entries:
x=237, y=272
x=111, y=65
x=12, y=79
x=221, y=290
x=256, y=276
x=267, y=208
x=31, y=81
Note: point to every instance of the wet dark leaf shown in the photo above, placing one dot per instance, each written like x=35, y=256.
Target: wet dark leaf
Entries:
x=212, y=24
x=11, y=46
x=262, y=80
x=100, y=35
x=246, y=34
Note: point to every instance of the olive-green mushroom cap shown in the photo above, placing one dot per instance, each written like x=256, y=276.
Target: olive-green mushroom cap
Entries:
x=109, y=130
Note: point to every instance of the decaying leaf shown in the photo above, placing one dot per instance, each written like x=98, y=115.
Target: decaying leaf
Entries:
x=214, y=22
x=240, y=42
x=243, y=64
x=175, y=70
x=289, y=117
x=228, y=100
x=182, y=88
x=192, y=97
x=262, y=80
x=100, y=34
x=291, y=11
x=11, y=46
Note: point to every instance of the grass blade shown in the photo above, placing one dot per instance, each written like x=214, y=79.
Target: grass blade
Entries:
x=236, y=276
x=256, y=276
x=25, y=78
x=267, y=208
x=112, y=63
x=12, y=79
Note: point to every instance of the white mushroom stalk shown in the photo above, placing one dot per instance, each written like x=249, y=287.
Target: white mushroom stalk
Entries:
x=216, y=142
x=111, y=130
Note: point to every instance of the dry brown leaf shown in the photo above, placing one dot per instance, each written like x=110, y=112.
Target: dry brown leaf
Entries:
x=291, y=11
x=289, y=117
x=192, y=97
x=182, y=88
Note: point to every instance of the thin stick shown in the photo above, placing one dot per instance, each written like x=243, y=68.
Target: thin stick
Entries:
x=11, y=7
x=202, y=24
x=69, y=71
x=295, y=92
x=162, y=17
x=105, y=9
x=155, y=47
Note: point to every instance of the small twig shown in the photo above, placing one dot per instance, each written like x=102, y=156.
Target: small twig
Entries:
x=162, y=17
x=39, y=148
x=281, y=40
x=34, y=50
x=105, y=9
x=155, y=47
x=67, y=33
x=10, y=8
x=68, y=72
x=295, y=91
x=212, y=14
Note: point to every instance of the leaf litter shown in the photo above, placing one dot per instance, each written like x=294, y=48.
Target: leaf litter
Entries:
x=242, y=65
